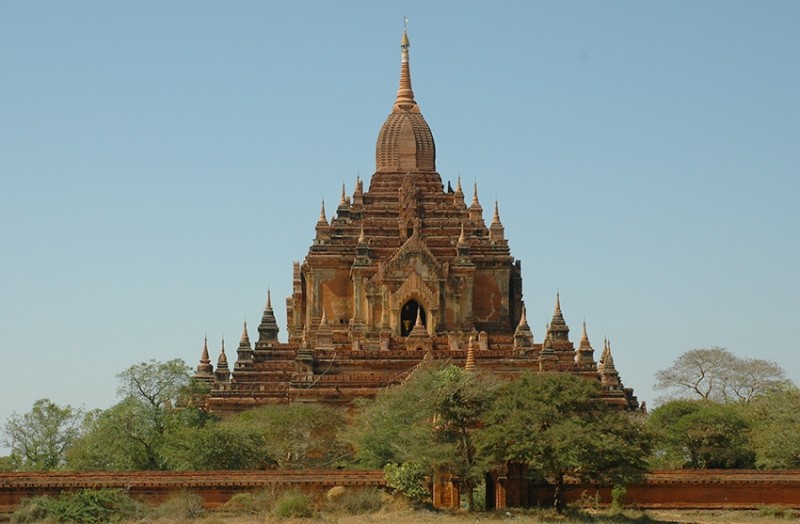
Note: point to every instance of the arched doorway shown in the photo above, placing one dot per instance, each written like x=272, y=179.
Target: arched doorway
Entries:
x=408, y=316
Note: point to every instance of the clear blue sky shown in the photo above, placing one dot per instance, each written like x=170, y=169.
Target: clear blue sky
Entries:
x=162, y=164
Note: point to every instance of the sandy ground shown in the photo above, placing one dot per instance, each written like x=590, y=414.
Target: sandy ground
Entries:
x=407, y=516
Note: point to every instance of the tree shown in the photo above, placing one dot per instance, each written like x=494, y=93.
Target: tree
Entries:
x=556, y=425
x=38, y=439
x=297, y=436
x=428, y=422
x=701, y=434
x=133, y=433
x=717, y=374
x=158, y=385
x=217, y=446
x=775, y=429
x=118, y=438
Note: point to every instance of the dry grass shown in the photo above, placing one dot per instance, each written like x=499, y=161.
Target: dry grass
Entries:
x=404, y=515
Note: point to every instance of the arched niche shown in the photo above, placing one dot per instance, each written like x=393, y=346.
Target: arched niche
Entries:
x=408, y=316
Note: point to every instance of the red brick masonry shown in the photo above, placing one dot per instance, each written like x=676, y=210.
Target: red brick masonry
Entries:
x=693, y=489
x=216, y=487
x=699, y=489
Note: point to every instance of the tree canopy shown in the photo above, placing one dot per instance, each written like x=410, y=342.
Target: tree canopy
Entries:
x=701, y=434
x=775, y=429
x=466, y=424
x=429, y=421
x=717, y=374
x=555, y=424
x=133, y=433
x=39, y=438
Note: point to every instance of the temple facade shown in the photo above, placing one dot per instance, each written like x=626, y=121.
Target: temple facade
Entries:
x=406, y=270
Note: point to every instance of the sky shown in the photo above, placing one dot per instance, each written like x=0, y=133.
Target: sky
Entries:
x=162, y=165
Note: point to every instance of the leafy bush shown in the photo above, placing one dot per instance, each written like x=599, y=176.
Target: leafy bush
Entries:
x=84, y=506
x=293, y=504
x=408, y=479
x=618, y=494
x=32, y=510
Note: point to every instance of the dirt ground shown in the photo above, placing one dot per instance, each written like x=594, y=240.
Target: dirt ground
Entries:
x=408, y=516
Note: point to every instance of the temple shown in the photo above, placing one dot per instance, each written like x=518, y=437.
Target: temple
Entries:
x=404, y=271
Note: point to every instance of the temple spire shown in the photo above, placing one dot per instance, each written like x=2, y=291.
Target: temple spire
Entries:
x=268, y=328
x=405, y=95
x=205, y=371
x=496, y=231
x=523, y=336
x=469, y=365
x=245, y=337
x=585, y=354
x=245, y=350
x=204, y=358
x=475, y=209
x=323, y=220
x=222, y=373
x=558, y=329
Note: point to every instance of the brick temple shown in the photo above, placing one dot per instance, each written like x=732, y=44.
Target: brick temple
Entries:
x=405, y=271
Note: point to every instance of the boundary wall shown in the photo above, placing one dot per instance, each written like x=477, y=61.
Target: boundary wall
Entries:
x=215, y=487
x=678, y=489
x=688, y=489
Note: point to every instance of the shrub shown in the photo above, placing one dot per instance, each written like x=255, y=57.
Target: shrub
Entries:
x=183, y=505
x=618, y=494
x=356, y=501
x=293, y=504
x=32, y=510
x=408, y=478
x=84, y=506
x=251, y=503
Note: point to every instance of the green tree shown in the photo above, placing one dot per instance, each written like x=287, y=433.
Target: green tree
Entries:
x=429, y=422
x=775, y=429
x=717, y=374
x=132, y=434
x=217, y=445
x=556, y=425
x=7, y=464
x=39, y=439
x=701, y=434
x=296, y=436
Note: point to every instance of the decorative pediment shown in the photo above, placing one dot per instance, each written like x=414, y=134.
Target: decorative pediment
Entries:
x=414, y=256
x=416, y=288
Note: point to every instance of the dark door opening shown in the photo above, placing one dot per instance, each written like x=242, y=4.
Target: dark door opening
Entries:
x=408, y=317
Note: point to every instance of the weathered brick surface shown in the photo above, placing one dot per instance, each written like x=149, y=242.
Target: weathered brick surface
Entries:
x=216, y=487
x=684, y=489
x=696, y=489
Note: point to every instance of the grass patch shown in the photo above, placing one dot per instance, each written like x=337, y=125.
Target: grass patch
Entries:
x=353, y=501
x=181, y=506
x=293, y=504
